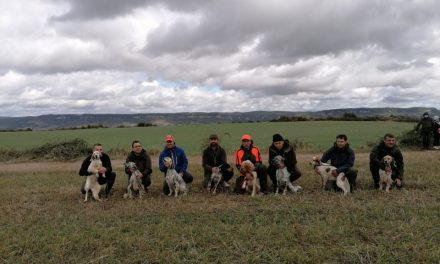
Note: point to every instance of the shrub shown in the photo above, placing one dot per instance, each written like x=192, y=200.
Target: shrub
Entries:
x=410, y=139
x=67, y=150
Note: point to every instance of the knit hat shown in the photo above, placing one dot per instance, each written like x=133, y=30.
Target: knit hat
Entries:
x=277, y=137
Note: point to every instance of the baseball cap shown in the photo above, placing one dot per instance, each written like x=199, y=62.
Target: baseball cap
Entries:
x=245, y=137
x=169, y=138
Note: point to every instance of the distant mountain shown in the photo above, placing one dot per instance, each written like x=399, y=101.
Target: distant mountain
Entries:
x=113, y=120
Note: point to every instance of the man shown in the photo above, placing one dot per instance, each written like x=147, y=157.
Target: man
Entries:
x=427, y=125
x=106, y=169
x=249, y=152
x=387, y=147
x=436, y=130
x=180, y=161
x=342, y=157
x=281, y=147
x=140, y=157
x=213, y=160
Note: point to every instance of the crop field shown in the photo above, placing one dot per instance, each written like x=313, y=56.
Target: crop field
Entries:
x=314, y=135
x=43, y=218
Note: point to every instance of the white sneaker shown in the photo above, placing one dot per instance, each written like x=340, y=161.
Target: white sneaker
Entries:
x=226, y=184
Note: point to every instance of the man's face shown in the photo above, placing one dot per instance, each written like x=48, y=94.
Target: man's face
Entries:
x=213, y=142
x=246, y=143
x=278, y=144
x=137, y=148
x=169, y=144
x=341, y=143
x=98, y=148
x=389, y=142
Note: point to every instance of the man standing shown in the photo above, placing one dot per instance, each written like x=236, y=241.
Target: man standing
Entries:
x=281, y=147
x=179, y=159
x=248, y=151
x=387, y=147
x=427, y=125
x=214, y=159
x=342, y=157
x=106, y=169
x=140, y=157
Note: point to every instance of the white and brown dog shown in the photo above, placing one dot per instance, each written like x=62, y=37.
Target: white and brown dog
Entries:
x=173, y=179
x=325, y=171
x=282, y=176
x=385, y=175
x=250, y=182
x=92, y=183
x=216, y=178
x=135, y=182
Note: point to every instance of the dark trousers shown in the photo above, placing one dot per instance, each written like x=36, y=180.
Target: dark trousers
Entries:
x=261, y=171
x=350, y=175
x=436, y=138
x=426, y=138
x=187, y=178
x=227, y=175
x=146, y=180
x=109, y=180
x=272, y=171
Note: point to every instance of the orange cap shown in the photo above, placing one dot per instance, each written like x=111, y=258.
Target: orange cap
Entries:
x=169, y=138
x=245, y=137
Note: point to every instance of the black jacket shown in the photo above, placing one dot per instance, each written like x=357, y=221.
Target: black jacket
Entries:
x=427, y=125
x=213, y=158
x=287, y=152
x=342, y=159
x=379, y=151
x=142, y=161
x=105, y=159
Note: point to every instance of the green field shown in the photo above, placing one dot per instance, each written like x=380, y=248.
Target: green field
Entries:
x=318, y=135
x=43, y=220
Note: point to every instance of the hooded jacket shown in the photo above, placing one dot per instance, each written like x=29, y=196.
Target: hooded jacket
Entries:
x=287, y=152
x=142, y=161
x=379, y=151
x=178, y=156
x=341, y=158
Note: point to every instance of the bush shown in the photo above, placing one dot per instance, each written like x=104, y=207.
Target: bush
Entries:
x=410, y=139
x=67, y=150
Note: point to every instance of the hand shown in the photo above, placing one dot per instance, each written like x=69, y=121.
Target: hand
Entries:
x=398, y=182
x=215, y=169
x=102, y=170
x=387, y=169
x=181, y=174
x=316, y=170
x=335, y=173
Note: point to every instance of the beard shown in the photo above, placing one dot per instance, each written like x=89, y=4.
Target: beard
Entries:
x=213, y=144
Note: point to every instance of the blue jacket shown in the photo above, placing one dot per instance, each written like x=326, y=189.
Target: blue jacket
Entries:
x=342, y=159
x=177, y=155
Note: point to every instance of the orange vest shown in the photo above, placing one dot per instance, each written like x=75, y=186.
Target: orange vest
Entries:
x=240, y=153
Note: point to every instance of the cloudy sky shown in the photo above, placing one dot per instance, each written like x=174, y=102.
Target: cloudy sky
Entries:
x=149, y=56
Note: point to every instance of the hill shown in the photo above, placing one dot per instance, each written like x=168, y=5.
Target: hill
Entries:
x=44, y=122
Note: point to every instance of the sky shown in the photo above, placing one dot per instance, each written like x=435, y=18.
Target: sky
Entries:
x=151, y=56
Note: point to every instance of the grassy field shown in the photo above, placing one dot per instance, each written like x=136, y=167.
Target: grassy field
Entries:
x=43, y=220
x=317, y=135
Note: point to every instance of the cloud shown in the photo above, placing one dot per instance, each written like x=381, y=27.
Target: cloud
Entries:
x=109, y=56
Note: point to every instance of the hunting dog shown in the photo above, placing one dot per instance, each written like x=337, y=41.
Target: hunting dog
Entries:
x=216, y=178
x=92, y=180
x=385, y=175
x=282, y=176
x=325, y=171
x=250, y=183
x=135, y=182
x=173, y=179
